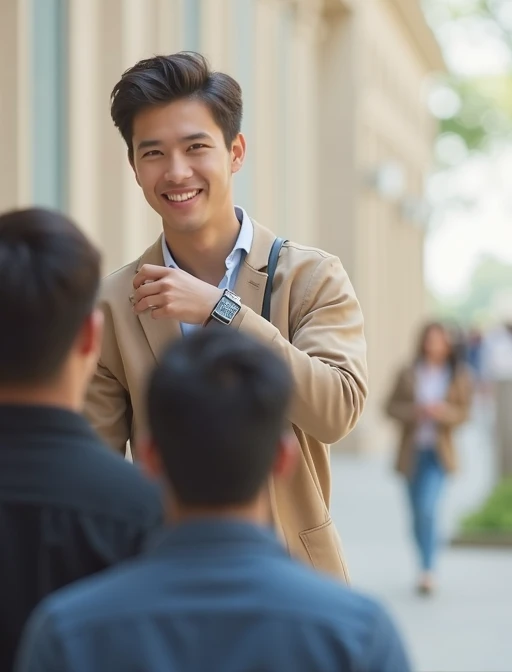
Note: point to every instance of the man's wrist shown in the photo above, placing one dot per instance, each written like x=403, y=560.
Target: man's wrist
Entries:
x=225, y=309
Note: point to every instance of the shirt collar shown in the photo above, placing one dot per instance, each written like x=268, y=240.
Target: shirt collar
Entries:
x=38, y=420
x=214, y=532
x=243, y=242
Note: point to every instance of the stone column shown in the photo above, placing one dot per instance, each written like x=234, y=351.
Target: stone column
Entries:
x=15, y=104
x=85, y=116
x=264, y=141
x=504, y=427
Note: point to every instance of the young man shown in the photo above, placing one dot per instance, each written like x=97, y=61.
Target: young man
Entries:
x=181, y=123
x=68, y=506
x=218, y=591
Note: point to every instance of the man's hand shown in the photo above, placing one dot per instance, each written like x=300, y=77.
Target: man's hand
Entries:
x=171, y=292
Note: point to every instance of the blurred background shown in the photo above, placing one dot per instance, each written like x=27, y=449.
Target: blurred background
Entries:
x=380, y=130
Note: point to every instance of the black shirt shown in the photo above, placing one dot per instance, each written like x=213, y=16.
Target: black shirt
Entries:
x=69, y=507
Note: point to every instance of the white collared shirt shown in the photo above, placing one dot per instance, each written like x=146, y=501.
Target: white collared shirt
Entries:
x=233, y=262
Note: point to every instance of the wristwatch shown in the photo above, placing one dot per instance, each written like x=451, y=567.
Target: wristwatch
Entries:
x=227, y=308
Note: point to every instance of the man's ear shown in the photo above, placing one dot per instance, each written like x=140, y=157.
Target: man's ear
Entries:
x=149, y=458
x=287, y=455
x=89, y=339
x=238, y=150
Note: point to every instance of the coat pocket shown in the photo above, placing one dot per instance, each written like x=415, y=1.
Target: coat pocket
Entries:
x=323, y=548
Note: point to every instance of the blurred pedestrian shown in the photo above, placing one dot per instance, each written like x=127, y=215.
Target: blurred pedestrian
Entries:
x=497, y=367
x=430, y=397
x=218, y=591
x=69, y=507
x=474, y=352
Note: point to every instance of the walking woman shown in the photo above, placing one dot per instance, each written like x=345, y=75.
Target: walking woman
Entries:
x=430, y=398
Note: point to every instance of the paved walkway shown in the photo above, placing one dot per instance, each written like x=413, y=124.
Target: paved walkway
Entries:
x=467, y=625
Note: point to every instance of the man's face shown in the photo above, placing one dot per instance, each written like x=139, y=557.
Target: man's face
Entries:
x=182, y=164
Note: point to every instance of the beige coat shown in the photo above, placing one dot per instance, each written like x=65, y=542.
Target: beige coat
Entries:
x=317, y=326
x=401, y=406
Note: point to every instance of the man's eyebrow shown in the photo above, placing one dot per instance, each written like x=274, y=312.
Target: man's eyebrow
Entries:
x=197, y=136
x=144, y=144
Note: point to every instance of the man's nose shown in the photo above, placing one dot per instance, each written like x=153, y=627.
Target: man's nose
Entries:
x=178, y=170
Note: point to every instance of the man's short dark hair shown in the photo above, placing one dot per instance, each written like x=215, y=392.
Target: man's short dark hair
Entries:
x=49, y=279
x=162, y=80
x=217, y=407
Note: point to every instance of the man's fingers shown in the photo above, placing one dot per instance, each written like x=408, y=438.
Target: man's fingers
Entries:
x=150, y=273
x=149, y=289
x=154, y=301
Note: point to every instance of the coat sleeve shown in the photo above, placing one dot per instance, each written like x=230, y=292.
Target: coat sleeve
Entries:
x=399, y=405
x=107, y=404
x=327, y=353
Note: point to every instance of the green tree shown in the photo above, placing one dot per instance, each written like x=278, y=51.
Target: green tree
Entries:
x=485, y=111
x=489, y=279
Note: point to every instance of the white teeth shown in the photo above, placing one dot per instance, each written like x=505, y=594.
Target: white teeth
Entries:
x=182, y=197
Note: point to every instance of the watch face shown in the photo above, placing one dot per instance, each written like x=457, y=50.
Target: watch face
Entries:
x=226, y=309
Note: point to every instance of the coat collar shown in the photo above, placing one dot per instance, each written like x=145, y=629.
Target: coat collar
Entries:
x=257, y=258
x=250, y=286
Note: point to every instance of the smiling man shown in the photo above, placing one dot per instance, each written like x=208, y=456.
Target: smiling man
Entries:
x=181, y=123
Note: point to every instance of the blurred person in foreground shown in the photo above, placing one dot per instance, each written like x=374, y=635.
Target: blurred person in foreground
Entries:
x=68, y=506
x=430, y=398
x=218, y=591
x=181, y=124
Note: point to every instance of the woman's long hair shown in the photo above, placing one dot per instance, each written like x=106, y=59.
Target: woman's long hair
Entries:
x=454, y=358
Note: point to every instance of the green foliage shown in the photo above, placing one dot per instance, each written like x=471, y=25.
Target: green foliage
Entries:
x=485, y=112
x=486, y=103
x=476, y=305
x=495, y=516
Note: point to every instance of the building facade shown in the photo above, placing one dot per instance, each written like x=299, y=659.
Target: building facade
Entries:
x=339, y=136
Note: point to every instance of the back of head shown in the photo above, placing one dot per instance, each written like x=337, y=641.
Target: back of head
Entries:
x=162, y=80
x=217, y=405
x=49, y=279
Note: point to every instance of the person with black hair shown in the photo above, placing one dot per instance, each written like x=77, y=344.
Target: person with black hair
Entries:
x=68, y=506
x=181, y=123
x=217, y=591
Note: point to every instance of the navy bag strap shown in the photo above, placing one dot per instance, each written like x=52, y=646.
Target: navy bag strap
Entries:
x=271, y=269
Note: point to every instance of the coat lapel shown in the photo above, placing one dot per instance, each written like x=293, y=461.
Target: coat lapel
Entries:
x=158, y=332
x=252, y=278
x=250, y=286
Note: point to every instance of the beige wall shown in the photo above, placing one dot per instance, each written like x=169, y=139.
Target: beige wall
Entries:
x=392, y=124
x=331, y=98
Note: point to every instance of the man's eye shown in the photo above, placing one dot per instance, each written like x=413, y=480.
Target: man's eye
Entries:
x=153, y=152
x=196, y=146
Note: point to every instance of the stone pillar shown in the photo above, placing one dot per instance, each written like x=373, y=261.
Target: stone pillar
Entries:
x=337, y=145
x=106, y=38
x=304, y=163
x=15, y=104
x=217, y=33
x=504, y=427
x=85, y=116
x=264, y=141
